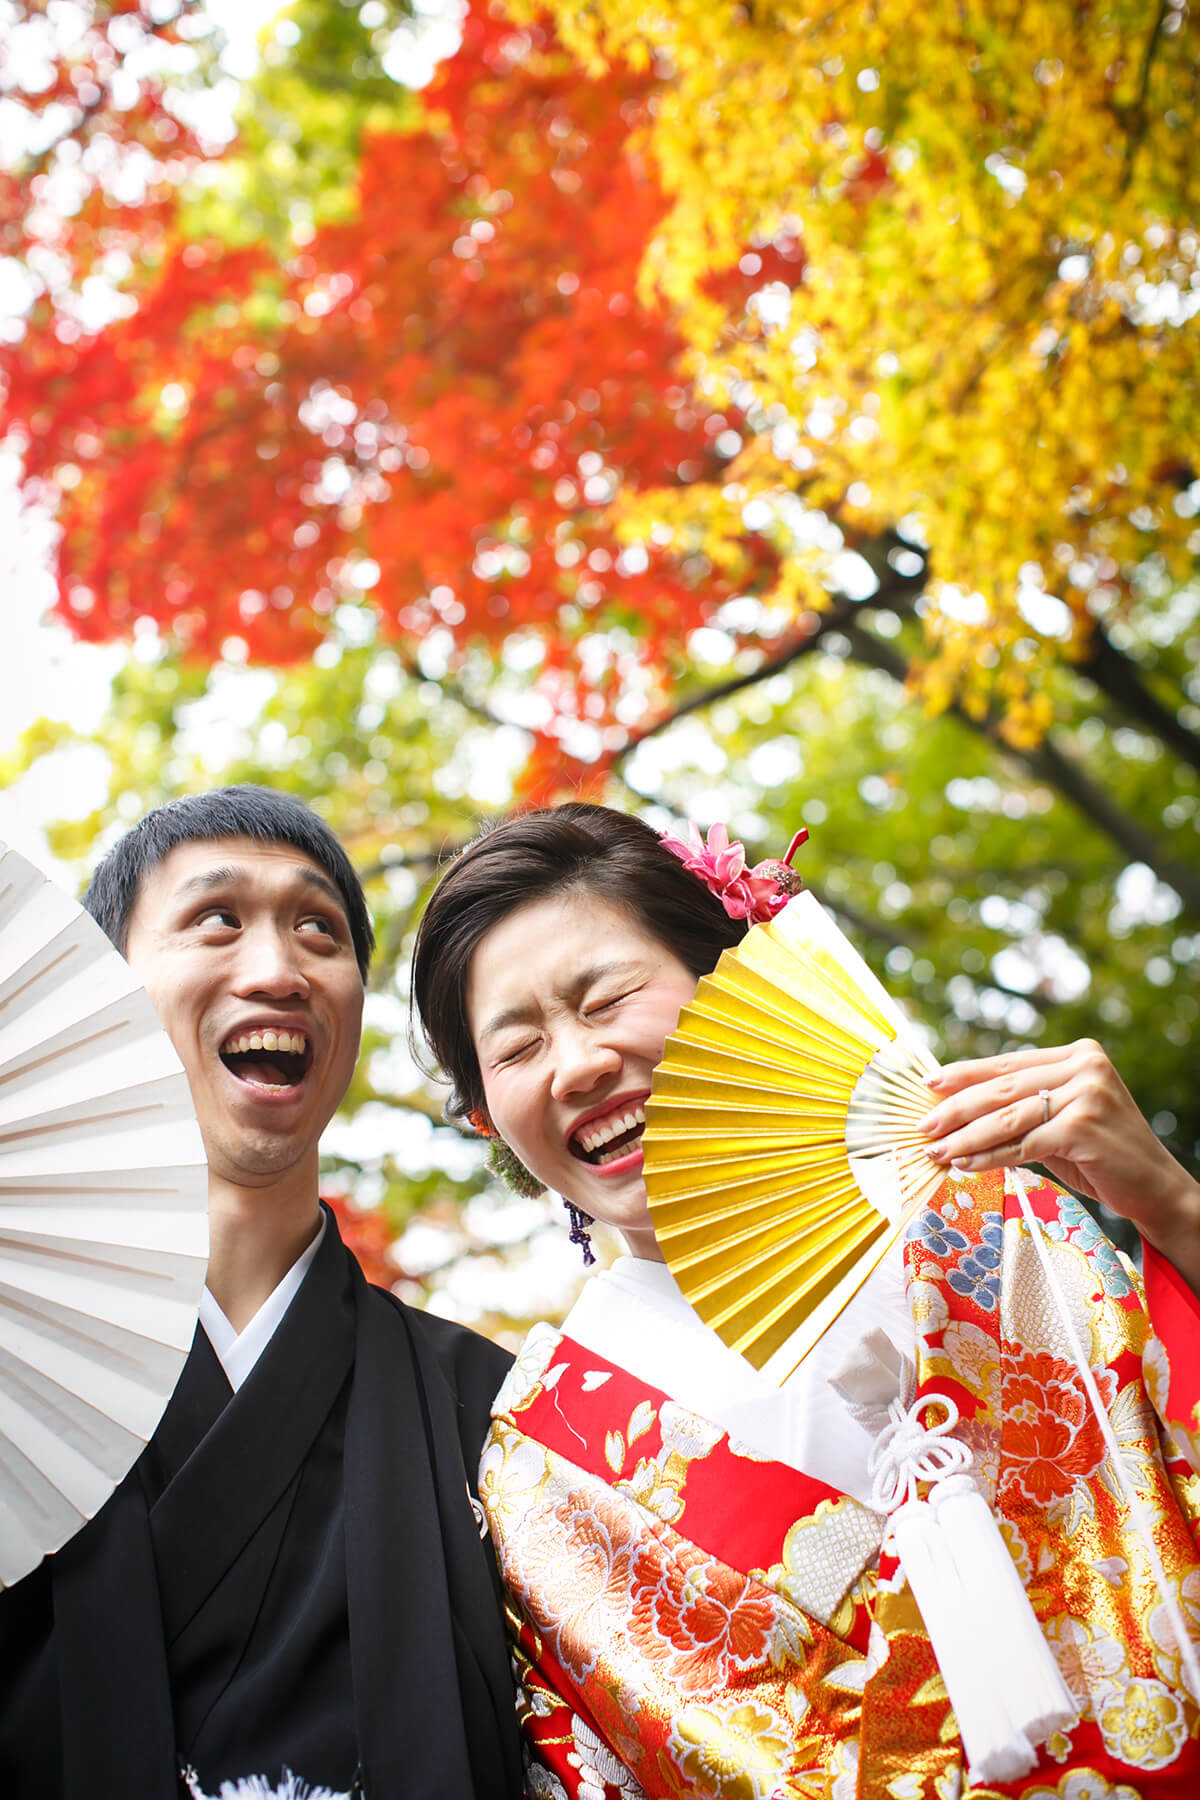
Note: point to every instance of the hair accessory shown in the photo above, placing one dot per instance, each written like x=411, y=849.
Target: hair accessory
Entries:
x=579, y=1231
x=756, y=894
x=512, y=1171
x=505, y=1162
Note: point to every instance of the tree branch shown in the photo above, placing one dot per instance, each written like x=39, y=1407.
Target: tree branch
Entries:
x=1137, y=116
x=1118, y=676
x=1049, y=764
x=895, y=590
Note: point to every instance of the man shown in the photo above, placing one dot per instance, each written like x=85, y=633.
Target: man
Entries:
x=291, y=1581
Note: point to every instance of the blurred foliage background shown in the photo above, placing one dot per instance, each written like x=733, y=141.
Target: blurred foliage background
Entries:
x=739, y=412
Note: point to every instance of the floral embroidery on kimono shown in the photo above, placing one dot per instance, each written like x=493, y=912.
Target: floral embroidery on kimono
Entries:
x=693, y=1619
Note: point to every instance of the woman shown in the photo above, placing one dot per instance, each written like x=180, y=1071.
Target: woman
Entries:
x=705, y=1598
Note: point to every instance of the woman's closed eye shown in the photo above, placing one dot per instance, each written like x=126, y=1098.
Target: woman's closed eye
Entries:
x=605, y=1006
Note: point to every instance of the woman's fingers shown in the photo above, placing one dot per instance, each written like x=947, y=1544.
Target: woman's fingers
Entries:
x=1006, y=1135
x=1022, y=1107
x=1068, y=1109
x=1014, y=1064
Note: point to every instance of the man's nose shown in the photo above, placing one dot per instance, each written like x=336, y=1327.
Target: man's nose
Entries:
x=269, y=962
x=581, y=1059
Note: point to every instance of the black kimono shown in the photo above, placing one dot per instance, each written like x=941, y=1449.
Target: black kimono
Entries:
x=291, y=1578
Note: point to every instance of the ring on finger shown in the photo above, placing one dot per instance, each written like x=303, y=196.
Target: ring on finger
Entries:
x=1043, y=1095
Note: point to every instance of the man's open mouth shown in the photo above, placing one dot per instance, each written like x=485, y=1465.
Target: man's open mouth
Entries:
x=603, y=1140
x=275, y=1060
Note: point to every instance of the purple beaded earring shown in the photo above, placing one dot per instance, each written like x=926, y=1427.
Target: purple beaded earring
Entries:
x=512, y=1171
x=579, y=1231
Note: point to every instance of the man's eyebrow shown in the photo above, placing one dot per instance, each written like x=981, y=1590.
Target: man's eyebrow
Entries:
x=227, y=875
x=574, y=990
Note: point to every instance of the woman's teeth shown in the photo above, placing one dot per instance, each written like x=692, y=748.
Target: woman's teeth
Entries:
x=595, y=1136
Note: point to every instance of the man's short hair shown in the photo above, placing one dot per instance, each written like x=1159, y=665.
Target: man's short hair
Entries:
x=262, y=814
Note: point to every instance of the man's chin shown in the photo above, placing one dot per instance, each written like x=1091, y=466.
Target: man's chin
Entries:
x=258, y=1158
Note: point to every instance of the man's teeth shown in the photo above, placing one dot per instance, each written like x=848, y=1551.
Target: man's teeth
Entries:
x=602, y=1131
x=293, y=1042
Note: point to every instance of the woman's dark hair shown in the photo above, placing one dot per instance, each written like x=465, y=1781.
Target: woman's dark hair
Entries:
x=262, y=814
x=534, y=856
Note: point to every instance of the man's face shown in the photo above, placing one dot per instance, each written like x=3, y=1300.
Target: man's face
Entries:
x=245, y=950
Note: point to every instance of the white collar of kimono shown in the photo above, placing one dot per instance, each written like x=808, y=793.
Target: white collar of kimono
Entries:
x=238, y=1351
x=634, y=1315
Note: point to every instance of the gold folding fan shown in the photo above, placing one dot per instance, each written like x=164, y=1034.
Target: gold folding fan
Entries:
x=782, y=1157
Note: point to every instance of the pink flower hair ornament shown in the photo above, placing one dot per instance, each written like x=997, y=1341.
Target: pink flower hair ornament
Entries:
x=756, y=894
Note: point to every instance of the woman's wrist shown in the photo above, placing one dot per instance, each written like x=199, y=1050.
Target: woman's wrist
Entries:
x=1171, y=1224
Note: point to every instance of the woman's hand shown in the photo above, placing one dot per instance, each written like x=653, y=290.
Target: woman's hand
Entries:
x=1069, y=1110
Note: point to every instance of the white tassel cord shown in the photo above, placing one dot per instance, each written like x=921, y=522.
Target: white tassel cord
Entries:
x=1003, y=1683
x=1190, y=1663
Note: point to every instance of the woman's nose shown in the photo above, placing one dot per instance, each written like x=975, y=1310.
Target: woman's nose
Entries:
x=581, y=1059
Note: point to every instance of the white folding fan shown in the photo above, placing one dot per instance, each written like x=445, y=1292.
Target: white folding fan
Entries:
x=781, y=1151
x=103, y=1218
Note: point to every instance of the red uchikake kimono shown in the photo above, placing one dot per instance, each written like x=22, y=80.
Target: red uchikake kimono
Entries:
x=694, y=1620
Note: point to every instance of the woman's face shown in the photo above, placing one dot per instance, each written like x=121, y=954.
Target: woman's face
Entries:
x=570, y=1003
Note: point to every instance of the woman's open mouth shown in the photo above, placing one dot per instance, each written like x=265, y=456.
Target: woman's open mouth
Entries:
x=272, y=1060
x=603, y=1140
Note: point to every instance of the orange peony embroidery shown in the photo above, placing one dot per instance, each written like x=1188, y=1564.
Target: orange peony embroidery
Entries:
x=704, y=1621
x=1050, y=1440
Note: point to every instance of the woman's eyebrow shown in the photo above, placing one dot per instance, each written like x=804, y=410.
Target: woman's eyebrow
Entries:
x=526, y=1012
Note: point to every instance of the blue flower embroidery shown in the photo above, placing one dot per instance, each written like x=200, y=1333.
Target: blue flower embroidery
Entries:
x=1086, y=1235
x=940, y=1237
x=977, y=1277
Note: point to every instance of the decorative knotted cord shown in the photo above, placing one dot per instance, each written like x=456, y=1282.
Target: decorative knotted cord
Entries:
x=1004, y=1685
x=907, y=1452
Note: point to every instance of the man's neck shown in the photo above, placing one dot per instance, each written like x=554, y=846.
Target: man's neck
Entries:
x=256, y=1234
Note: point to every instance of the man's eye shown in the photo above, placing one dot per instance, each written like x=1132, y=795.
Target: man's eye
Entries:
x=316, y=923
x=221, y=917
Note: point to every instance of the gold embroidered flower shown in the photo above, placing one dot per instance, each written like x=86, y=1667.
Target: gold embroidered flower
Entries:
x=843, y=1769
x=1082, y=1784
x=1144, y=1725
x=512, y=1476
x=1162, y=1632
x=1017, y=1548
x=928, y=1306
x=533, y=1360
x=686, y=1433
x=730, y=1749
x=974, y=1356
x=1092, y=1662
x=650, y=1485
x=598, y=1768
